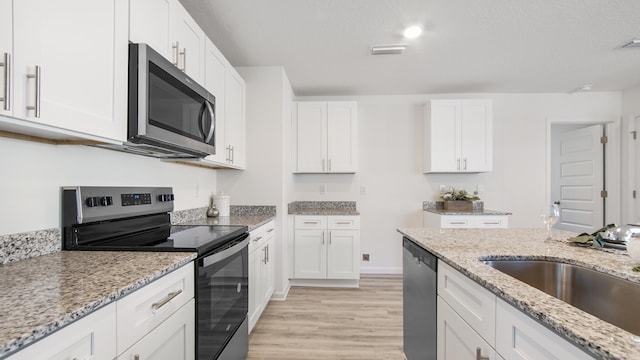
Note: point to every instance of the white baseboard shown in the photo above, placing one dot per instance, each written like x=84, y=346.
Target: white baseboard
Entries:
x=281, y=296
x=325, y=283
x=381, y=270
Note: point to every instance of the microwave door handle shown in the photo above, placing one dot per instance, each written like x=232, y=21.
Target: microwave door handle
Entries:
x=213, y=121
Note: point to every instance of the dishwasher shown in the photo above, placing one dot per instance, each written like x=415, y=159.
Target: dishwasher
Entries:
x=419, y=297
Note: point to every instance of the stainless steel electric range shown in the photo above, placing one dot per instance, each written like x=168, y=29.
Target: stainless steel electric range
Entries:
x=137, y=219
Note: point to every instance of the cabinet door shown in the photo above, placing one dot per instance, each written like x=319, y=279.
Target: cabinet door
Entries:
x=80, y=48
x=442, y=136
x=520, y=337
x=456, y=339
x=310, y=254
x=476, y=136
x=312, y=137
x=267, y=273
x=255, y=284
x=214, y=82
x=149, y=24
x=6, y=54
x=343, y=254
x=189, y=40
x=91, y=337
x=234, y=117
x=342, y=137
x=174, y=339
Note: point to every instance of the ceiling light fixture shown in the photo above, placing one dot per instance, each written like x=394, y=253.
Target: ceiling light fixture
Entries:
x=391, y=49
x=412, y=32
x=633, y=43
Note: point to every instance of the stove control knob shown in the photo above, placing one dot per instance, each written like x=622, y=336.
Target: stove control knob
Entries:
x=92, y=201
x=170, y=197
x=106, y=201
x=165, y=197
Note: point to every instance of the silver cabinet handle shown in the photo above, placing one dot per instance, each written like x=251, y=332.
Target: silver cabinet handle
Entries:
x=323, y=163
x=329, y=164
x=329, y=237
x=491, y=222
x=233, y=154
x=270, y=230
x=176, y=53
x=323, y=238
x=184, y=59
x=343, y=222
x=458, y=163
x=311, y=222
x=264, y=255
x=38, y=77
x=163, y=302
x=7, y=81
x=465, y=163
x=267, y=248
x=479, y=355
x=457, y=222
x=228, y=153
x=213, y=121
x=258, y=238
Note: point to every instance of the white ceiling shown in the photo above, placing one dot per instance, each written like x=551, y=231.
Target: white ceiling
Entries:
x=523, y=46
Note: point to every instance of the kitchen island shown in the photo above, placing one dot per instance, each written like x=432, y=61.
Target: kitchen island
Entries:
x=463, y=249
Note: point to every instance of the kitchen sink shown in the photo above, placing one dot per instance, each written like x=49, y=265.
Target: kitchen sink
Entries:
x=607, y=297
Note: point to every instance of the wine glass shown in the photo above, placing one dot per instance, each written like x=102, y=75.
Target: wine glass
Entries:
x=549, y=218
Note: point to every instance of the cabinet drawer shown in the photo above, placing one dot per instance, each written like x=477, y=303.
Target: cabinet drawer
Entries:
x=91, y=337
x=475, y=304
x=311, y=222
x=259, y=236
x=143, y=310
x=456, y=222
x=343, y=222
x=520, y=337
x=493, y=221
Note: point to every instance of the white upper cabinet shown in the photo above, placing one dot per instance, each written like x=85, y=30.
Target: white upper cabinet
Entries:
x=187, y=42
x=458, y=136
x=214, y=81
x=234, y=119
x=326, y=137
x=168, y=28
x=6, y=52
x=69, y=67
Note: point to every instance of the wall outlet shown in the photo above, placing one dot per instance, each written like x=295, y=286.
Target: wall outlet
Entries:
x=363, y=189
x=322, y=189
x=365, y=257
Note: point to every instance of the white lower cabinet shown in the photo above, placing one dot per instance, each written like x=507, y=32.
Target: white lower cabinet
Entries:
x=261, y=270
x=173, y=339
x=456, y=339
x=438, y=221
x=520, y=337
x=156, y=322
x=92, y=337
x=474, y=324
x=327, y=247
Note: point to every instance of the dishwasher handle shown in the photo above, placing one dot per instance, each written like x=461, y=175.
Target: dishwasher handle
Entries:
x=423, y=256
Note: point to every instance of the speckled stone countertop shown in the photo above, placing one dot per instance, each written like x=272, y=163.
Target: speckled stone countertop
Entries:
x=437, y=207
x=462, y=249
x=323, y=208
x=42, y=294
x=253, y=216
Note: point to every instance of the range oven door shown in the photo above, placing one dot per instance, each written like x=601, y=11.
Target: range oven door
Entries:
x=222, y=294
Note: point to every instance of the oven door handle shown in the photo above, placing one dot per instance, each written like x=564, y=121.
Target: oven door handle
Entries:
x=217, y=257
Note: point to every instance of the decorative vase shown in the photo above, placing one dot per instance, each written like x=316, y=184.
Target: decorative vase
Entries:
x=458, y=205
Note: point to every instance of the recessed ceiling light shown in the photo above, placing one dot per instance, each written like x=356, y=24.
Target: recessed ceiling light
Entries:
x=412, y=32
x=391, y=49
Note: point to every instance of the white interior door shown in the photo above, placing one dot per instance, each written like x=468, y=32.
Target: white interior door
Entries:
x=577, y=179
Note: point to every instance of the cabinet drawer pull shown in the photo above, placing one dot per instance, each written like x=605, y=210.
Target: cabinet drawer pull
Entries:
x=457, y=222
x=184, y=59
x=258, y=238
x=311, y=222
x=344, y=222
x=163, y=302
x=270, y=230
x=491, y=222
x=38, y=76
x=329, y=237
x=323, y=238
x=7, y=81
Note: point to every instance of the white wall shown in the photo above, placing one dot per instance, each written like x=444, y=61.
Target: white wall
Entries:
x=630, y=110
x=390, y=163
x=266, y=181
x=32, y=174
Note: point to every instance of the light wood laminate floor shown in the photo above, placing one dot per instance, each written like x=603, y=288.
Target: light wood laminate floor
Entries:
x=332, y=323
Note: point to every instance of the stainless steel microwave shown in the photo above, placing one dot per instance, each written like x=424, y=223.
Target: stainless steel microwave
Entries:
x=169, y=114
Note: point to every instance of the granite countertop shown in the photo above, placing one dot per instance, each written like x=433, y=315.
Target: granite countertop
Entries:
x=346, y=208
x=251, y=221
x=462, y=249
x=42, y=294
x=437, y=207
